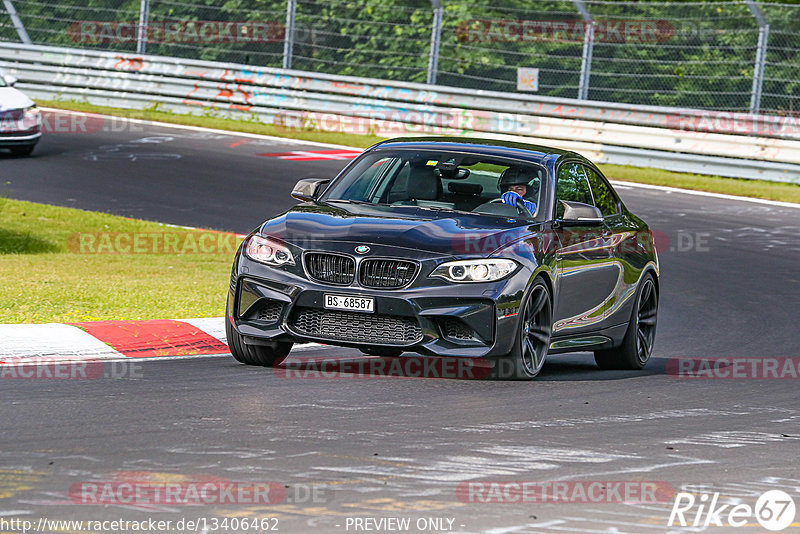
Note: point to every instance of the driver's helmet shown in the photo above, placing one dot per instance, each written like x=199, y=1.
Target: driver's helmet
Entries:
x=516, y=176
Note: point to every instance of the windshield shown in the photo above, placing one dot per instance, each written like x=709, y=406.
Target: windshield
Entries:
x=441, y=180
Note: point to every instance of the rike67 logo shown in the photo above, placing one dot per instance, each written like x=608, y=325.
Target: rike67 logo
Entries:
x=774, y=510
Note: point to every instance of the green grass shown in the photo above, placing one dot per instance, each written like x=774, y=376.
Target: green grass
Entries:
x=49, y=277
x=714, y=184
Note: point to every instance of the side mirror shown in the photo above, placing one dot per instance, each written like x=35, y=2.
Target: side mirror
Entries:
x=309, y=189
x=10, y=80
x=580, y=214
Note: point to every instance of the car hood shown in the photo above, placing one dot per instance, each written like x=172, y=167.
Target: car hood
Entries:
x=11, y=98
x=442, y=232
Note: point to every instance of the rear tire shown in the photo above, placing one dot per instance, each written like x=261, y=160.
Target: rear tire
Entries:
x=23, y=151
x=637, y=345
x=534, y=328
x=261, y=355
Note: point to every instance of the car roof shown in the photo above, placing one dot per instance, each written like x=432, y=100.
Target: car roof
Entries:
x=479, y=145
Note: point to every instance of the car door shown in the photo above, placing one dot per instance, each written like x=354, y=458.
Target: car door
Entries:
x=585, y=270
x=621, y=238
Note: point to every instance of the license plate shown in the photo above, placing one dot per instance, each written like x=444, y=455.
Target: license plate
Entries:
x=344, y=302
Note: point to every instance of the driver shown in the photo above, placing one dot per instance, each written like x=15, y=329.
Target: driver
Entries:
x=514, y=184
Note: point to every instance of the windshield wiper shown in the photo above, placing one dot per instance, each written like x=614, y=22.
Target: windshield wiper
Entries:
x=344, y=201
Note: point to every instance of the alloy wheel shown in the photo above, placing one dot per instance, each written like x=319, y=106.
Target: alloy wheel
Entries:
x=646, y=318
x=536, y=329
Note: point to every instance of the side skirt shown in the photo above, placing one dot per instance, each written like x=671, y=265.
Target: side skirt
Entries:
x=589, y=341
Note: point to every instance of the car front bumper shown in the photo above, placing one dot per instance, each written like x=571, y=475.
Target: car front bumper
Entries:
x=443, y=319
x=15, y=139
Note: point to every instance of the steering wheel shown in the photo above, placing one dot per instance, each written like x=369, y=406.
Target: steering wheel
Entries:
x=519, y=204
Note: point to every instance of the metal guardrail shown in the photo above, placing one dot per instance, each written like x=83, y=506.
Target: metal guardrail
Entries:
x=740, y=145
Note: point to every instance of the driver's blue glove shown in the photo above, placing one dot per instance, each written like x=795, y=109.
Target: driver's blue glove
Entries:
x=510, y=198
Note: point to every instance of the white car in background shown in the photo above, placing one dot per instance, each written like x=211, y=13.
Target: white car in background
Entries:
x=20, y=120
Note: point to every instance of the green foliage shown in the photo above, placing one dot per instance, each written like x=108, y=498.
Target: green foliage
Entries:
x=686, y=54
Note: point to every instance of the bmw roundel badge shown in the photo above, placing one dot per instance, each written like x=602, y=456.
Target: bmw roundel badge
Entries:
x=362, y=249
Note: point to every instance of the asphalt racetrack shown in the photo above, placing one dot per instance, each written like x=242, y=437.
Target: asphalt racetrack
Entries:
x=371, y=448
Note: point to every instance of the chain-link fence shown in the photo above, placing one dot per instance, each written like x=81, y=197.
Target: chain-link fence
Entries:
x=723, y=55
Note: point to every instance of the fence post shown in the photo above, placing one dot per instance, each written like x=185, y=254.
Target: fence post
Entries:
x=436, y=39
x=761, y=56
x=144, y=18
x=17, y=22
x=588, y=49
x=288, y=39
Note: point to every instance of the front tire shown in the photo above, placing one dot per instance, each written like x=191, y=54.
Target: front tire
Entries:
x=261, y=355
x=637, y=345
x=532, y=341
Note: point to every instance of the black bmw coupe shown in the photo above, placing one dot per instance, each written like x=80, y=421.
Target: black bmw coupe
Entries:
x=467, y=248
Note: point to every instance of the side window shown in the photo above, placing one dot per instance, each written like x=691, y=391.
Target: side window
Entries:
x=386, y=172
x=571, y=185
x=361, y=189
x=603, y=196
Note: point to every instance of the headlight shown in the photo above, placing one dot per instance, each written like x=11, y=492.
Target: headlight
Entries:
x=268, y=251
x=475, y=270
x=31, y=118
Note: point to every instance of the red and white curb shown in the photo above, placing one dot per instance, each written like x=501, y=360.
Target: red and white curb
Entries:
x=115, y=340
x=103, y=340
